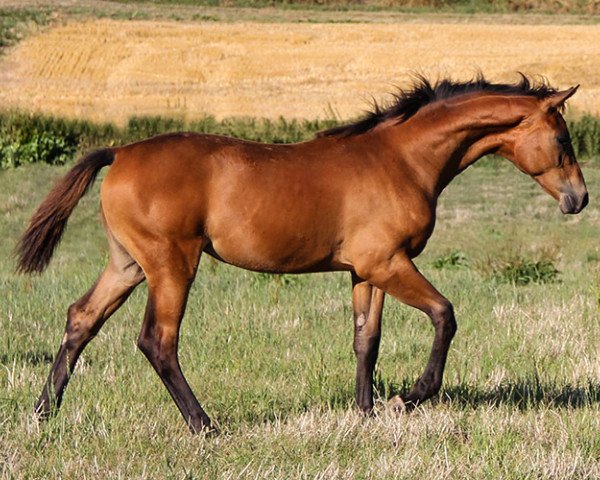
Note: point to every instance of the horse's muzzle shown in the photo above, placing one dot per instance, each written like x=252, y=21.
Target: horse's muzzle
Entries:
x=573, y=203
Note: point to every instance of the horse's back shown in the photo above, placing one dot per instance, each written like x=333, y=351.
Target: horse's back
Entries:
x=184, y=172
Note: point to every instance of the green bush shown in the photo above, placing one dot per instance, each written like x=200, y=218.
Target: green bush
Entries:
x=41, y=147
x=523, y=271
x=28, y=138
x=585, y=135
x=453, y=259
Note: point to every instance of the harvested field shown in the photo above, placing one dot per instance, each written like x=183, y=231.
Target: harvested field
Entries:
x=111, y=70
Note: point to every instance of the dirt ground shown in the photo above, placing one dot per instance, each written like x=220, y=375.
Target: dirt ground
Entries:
x=111, y=69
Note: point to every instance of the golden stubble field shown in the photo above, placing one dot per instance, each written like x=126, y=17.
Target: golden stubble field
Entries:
x=111, y=70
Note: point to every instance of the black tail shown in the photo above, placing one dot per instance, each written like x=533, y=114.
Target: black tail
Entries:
x=47, y=225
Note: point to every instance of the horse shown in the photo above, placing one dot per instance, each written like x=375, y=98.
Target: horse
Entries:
x=359, y=198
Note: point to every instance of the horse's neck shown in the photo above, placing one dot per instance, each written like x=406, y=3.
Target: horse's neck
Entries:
x=447, y=137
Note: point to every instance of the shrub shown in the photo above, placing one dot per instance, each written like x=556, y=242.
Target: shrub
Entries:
x=40, y=147
x=522, y=271
x=28, y=138
x=585, y=136
x=453, y=259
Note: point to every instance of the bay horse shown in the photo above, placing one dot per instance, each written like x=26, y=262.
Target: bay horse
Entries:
x=359, y=198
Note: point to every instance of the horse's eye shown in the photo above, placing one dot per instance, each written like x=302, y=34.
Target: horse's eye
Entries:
x=564, y=142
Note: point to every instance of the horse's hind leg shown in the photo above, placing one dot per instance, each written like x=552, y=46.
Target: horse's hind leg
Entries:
x=367, y=305
x=170, y=274
x=85, y=318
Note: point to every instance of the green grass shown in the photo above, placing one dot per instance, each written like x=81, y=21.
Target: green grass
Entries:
x=33, y=13
x=271, y=357
x=420, y=6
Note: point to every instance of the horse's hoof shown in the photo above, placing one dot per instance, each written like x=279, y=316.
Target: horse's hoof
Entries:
x=211, y=432
x=368, y=412
x=397, y=404
x=204, y=429
x=43, y=411
x=402, y=405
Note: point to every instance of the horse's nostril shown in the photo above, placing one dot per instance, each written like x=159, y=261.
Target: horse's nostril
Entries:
x=584, y=200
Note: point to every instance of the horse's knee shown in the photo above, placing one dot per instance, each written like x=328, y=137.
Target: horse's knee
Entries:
x=365, y=344
x=160, y=354
x=367, y=328
x=148, y=345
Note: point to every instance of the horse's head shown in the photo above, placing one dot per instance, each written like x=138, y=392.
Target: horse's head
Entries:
x=541, y=147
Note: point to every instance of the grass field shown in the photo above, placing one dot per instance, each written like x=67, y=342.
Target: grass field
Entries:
x=272, y=361
x=270, y=357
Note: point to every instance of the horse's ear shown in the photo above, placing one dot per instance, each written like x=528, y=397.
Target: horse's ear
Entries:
x=557, y=101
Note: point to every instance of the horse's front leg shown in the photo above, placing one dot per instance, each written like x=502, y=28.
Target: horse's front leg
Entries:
x=399, y=277
x=367, y=305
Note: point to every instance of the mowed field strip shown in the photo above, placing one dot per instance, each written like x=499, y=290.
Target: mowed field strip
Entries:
x=111, y=70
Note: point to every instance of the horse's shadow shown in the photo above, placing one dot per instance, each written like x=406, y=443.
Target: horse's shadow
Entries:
x=32, y=357
x=523, y=393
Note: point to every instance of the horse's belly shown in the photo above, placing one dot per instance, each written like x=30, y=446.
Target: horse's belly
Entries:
x=271, y=225
x=277, y=254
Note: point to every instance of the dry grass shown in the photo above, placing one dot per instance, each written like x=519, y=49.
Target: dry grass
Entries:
x=110, y=70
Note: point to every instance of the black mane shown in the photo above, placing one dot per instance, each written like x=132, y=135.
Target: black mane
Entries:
x=408, y=102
